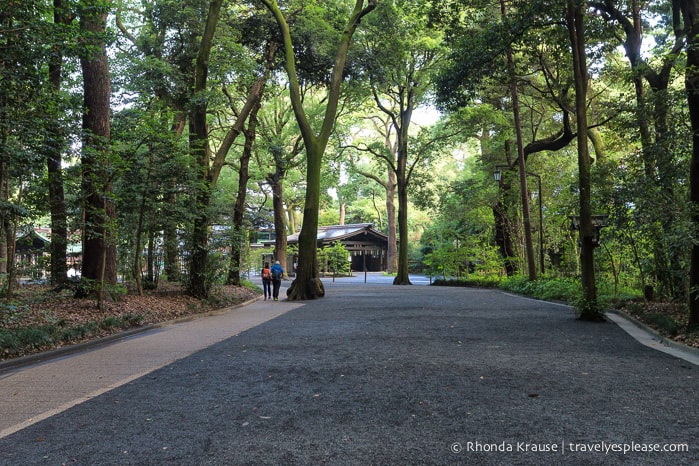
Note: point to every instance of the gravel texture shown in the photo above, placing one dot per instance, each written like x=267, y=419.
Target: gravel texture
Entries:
x=384, y=375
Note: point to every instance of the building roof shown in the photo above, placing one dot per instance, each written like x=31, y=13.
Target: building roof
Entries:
x=32, y=242
x=330, y=234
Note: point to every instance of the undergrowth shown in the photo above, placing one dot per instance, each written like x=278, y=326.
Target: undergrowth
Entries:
x=23, y=340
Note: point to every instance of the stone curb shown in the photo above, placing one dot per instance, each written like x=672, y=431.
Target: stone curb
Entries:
x=665, y=341
x=15, y=363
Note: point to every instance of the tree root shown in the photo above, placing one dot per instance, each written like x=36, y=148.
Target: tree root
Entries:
x=305, y=290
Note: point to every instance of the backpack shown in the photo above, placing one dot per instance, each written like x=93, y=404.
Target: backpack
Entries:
x=266, y=274
x=277, y=272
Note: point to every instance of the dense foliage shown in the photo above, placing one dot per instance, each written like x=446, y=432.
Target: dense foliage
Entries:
x=231, y=120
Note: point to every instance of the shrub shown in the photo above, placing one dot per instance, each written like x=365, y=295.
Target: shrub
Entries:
x=664, y=323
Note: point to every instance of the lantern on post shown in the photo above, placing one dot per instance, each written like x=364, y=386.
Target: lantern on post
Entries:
x=598, y=222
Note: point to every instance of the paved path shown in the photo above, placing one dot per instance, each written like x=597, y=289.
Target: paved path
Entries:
x=370, y=374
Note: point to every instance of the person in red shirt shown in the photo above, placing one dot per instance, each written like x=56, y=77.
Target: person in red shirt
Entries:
x=267, y=281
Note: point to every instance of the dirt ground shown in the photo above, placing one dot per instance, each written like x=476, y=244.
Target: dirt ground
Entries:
x=38, y=305
x=668, y=319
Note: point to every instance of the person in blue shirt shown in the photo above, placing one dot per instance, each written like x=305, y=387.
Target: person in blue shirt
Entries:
x=277, y=274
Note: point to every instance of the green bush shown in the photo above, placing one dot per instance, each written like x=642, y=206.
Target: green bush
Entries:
x=551, y=289
x=475, y=282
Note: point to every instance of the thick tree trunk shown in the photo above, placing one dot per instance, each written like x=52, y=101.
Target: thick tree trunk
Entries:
x=99, y=245
x=307, y=284
x=199, y=147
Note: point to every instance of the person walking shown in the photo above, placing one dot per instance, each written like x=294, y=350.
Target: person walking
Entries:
x=277, y=274
x=267, y=281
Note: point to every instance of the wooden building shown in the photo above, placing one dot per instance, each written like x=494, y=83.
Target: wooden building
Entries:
x=367, y=247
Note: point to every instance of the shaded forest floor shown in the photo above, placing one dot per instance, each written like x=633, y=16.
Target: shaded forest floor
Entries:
x=668, y=319
x=39, y=319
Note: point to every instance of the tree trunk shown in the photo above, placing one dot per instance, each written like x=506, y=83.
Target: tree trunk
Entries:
x=279, y=218
x=343, y=213
x=503, y=238
x=403, y=273
x=54, y=146
x=524, y=191
x=137, y=266
x=171, y=247
x=690, y=10
x=138, y=247
x=151, y=276
x=171, y=242
x=307, y=284
x=239, y=233
x=4, y=192
x=589, y=309
x=199, y=147
x=293, y=221
x=99, y=246
x=392, y=259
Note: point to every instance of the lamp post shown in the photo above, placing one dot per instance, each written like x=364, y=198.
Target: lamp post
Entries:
x=497, y=175
x=541, y=223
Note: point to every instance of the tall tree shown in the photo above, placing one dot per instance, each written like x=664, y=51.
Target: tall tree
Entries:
x=55, y=147
x=690, y=12
x=526, y=216
x=652, y=82
x=99, y=244
x=163, y=40
x=16, y=122
x=278, y=155
x=239, y=232
x=386, y=151
x=201, y=151
x=402, y=50
x=256, y=33
x=209, y=163
x=575, y=19
x=307, y=284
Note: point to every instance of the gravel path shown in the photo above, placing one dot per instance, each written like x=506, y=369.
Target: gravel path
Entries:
x=384, y=375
